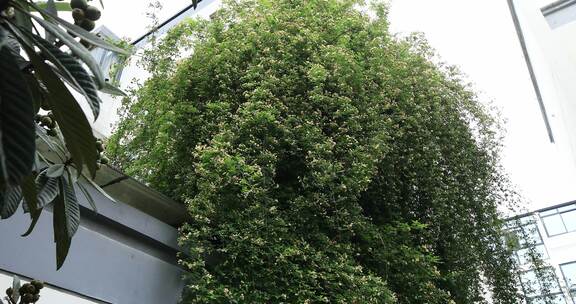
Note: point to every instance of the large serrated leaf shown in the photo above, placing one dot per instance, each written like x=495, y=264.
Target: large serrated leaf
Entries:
x=16, y=121
x=47, y=189
x=54, y=147
x=30, y=195
x=72, y=207
x=82, y=80
x=71, y=119
x=29, y=192
x=35, y=216
x=3, y=38
x=60, y=233
x=9, y=201
x=78, y=31
x=66, y=220
x=77, y=48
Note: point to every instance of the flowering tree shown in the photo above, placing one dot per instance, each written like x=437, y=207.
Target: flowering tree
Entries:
x=322, y=160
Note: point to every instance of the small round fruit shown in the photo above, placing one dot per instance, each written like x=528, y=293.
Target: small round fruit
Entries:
x=79, y=4
x=9, y=291
x=28, y=298
x=88, y=25
x=92, y=13
x=104, y=160
x=30, y=289
x=36, y=298
x=38, y=284
x=78, y=14
x=100, y=146
x=47, y=121
x=38, y=117
x=51, y=132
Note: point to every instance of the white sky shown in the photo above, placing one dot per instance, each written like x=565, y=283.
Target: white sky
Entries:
x=477, y=36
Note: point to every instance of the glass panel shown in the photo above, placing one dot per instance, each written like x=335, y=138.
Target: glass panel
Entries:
x=553, y=286
x=533, y=236
x=530, y=283
x=524, y=258
x=569, y=220
x=569, y=272
x=554, y=225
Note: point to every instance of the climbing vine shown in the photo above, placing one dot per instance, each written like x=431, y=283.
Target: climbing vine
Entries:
x=322, y=160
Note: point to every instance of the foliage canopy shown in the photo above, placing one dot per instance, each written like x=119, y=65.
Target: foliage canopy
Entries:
x=323, y=160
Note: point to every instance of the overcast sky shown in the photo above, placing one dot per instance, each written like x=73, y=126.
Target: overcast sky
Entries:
x=477, y=36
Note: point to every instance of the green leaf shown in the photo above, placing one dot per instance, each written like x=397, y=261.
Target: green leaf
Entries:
x=29, y=192
x=60, y=233
x=71, y=119
x=77, y=48
x=35, y=216
x=99, y=189
x=72, y=208
x=51, y=8
x=80, y=32
x=88, y=196
x=3, y=38
x=16, y=121
x=9, y=201
x=83, y=82
x=23, y=20
x=66, y=220
x=55, y=170
x=112, y=90
x=47, y=189
x=55, y=147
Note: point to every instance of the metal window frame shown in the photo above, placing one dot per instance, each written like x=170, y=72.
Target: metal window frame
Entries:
x=528, y=298
x=559, y=213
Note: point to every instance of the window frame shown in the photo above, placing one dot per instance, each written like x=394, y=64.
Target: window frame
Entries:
x=568, y=287
x=556, y=211
x=528, y=299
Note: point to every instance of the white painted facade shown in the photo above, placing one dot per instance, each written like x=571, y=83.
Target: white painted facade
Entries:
x=548, y=29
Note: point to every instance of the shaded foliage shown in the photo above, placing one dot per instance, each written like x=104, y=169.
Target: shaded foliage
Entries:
x=322, y=159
